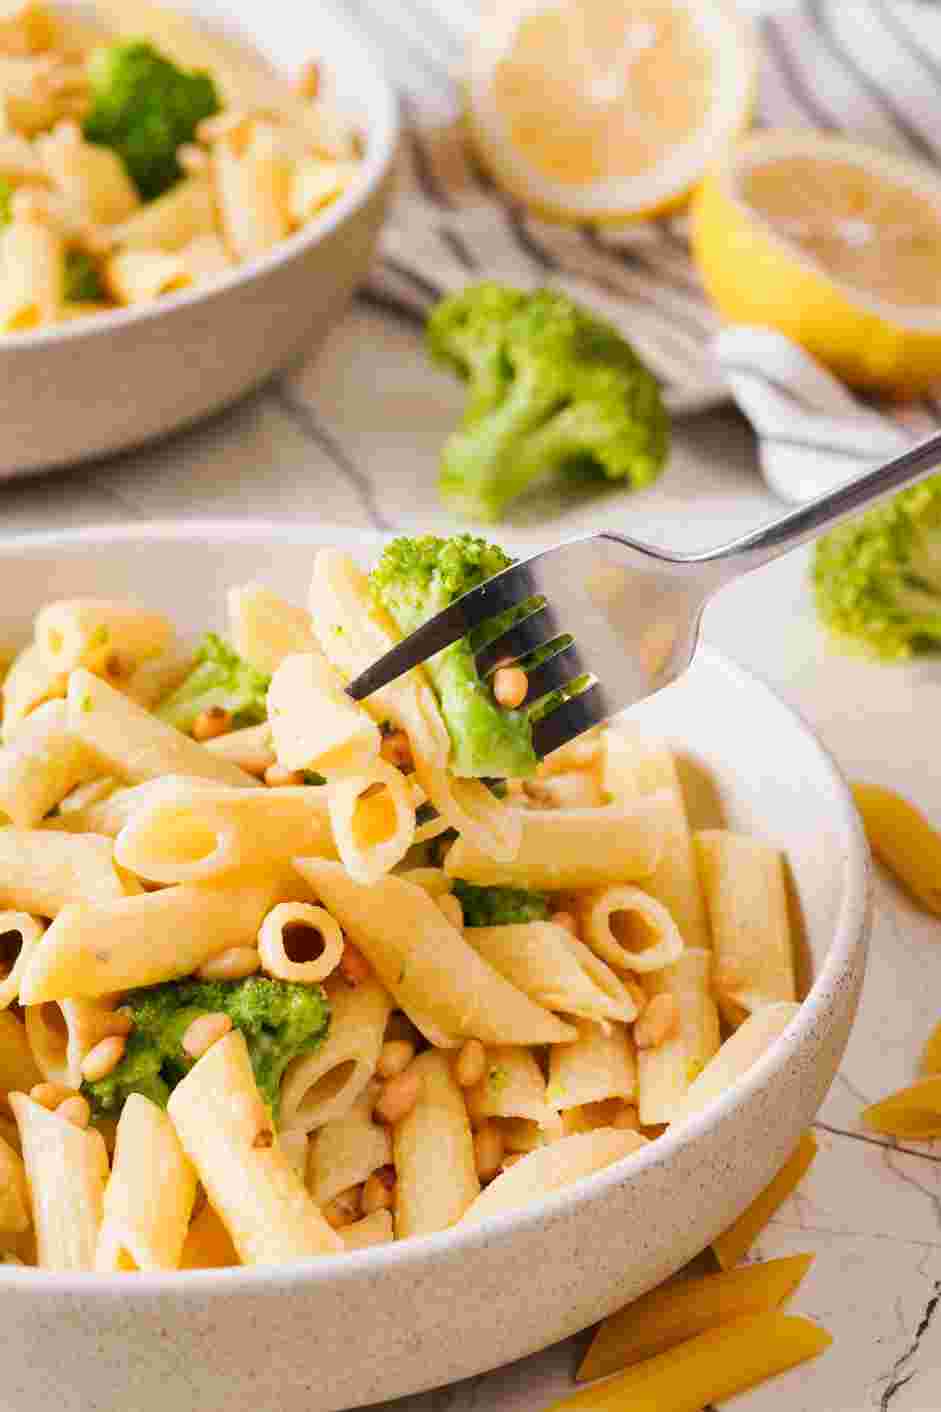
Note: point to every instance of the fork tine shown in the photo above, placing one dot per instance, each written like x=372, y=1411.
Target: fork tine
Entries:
x=555, y=671
x=505, y=590
x=523, y=637
x=574, y=716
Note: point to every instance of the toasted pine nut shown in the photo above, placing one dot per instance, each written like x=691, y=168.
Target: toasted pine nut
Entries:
x=344, y=1209
x=263, y=1138
x=451, y=908
x=103, y=1057
x=75, y=1110
x=488, y=1151
x=395, y=749
x=394, y=1056
x=627, y=1118
x=398, y=1097
x=378, y=1195
x=119, y=1022
x=208, y=724
x=118, y=667
x=308, y=82
x=202, y=1033
x=510, y=685
x=660, y=1021
x=232, y=965
x=50, y=1095
x=277, y=777
x=470, y=1064
x=354, y=967
x=566, y=920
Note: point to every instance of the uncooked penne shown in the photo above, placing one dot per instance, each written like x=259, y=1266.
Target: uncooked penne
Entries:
x=629, y=929
x=550, y=1168
x=150, y=1193
x=512, y=1087
x=734, y=1244
x=904, y=840
x=436, y=1175
x=554, y=968
x=347, y=1150
x=66, y=1170
x=320, y=1087
x=42, y=871
x=226, y=1132
x=743, y=879
x=40, y=764
x=314, y=724
x=19, y=933
x=666, y=1070
x=265, y=628
x=599, y=1065
x=87, y=632
x=736, y=1056
x=426, y=964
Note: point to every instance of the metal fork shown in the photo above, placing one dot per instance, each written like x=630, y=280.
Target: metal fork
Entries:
x=635, y=610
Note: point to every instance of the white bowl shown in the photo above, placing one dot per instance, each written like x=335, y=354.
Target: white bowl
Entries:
x=115, y=380
x=341, y=1331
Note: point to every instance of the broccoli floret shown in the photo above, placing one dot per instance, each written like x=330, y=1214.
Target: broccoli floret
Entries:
x=221, y=678
x=144, y=107
x=6, y=202
x=413, y=580
x=551, y=389
x=499, y=906
x=82, y=281
x=278, y=1019
x=877, y=579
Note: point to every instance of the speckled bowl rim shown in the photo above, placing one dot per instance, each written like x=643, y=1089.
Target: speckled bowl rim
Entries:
x=850, y=934
x=382, y=127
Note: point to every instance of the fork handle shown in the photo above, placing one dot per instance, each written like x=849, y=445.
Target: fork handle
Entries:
x=768, y=542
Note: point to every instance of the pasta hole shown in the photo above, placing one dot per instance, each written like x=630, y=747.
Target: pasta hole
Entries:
x=10, y=944
x=182, y=837
x=374, y=817
x=331, y=1083
x=302, y=943
x=633, y=931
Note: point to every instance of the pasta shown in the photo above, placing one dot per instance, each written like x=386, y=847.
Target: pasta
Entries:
x=629, y=929
x=599, y=1065
x=14, y=1195
x=297, y=925
x=149, y=1196
x=323, y=1086
x=19, y=933
x=735, y=1057
x=555, y=969
x=513, y=1087
x=548, y=1169
x=903, y=840
x=42, y=871
x=347, y=1150
x=314, y=724
x=666, y=1070
x=66, y=1170
x=40, y=765
x=734, y=1244
x=434, y=1154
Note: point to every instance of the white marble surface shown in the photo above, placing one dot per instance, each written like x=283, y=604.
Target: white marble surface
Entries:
x=870, y=1210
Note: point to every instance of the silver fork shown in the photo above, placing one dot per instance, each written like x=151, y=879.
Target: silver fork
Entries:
x=635, y=611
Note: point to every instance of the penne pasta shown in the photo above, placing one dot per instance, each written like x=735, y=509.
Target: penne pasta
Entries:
x=266, y=629
x=320, y=1087
x=134, y=744
x=250, y=748
x=19, y=933
x=436, y=1175
x=347, y=1150
x=92, y=177
x=40, y=764
x=931, y=1054
x=32, y=259
x=18, y=1068
x=225, y=1130
x=66, y=1170
x=666, y=1070
x=426, y=964
x=87, y=632
x=27, y=684
x=555, y=969
x=140, y=276
x=205, y=257
x=513, y=1087
x=208, y=1245
x=735, y=1057
x=150, y=1193
x=754, y=955
x=314, y=724
x=372, y=816
x=62, y=1033
x=629, y=929
x=42, y=871
x=105, y=815
x=14, y=1194
x=253, y=189
x=550, y=1168
x=599, y=1065
x=913, y=1112
x=734, y=1244
x=374, y=1229
x=314, y=184
x=300, y=943
x=186, y=213
x=903, y=840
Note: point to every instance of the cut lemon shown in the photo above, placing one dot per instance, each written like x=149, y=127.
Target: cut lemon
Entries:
x=606, y=110
x=836, y=245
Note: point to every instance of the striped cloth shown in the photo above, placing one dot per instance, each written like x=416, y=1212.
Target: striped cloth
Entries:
x=870, y=68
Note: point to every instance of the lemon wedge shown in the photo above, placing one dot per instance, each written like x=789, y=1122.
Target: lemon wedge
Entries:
x=606, y=110
x=836, y=245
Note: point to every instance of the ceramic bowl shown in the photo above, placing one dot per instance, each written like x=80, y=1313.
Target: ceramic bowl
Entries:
x=343, y=1331
x=115, y=380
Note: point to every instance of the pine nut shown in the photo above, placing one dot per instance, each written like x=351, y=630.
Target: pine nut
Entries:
x=659, y=1022
x=119, y=1022
x=344, y=1209
x=566, y=920
x=510, y=685
x=232, y=965
x=202, y=1033
x=396, y=750
x=627, y=1118
x=103, y=1057
x=378, y=1195
x=451, y=909
x=394, y=1056
x=50, y=1095
x=209, y=724
x=118, y=667
x=277, y=777
x=470, y=1064
x=488, y=1151
x=398, y=1097
x=354, y=967
x=263, y=1138
x=75, y=1110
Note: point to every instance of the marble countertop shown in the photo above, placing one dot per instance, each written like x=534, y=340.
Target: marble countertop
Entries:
x=313, y=446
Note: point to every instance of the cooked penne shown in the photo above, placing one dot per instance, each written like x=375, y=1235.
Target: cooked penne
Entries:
x=347, y=1150
x=426, y=964
x=32, y=257
x=95, y=950
x=549, y=1168
x=140, y=276
x=314, y=184
x=61, y=1033
x=88, y=632
x=27, y=684
x=320, y=1087
x=19, y=933
x=253, y=189
x=40, y=764
x=298, y=942
x=150, y=1193
x=189, y=831
x=184, y=214
x=226, y=1132
x=266, y=628
x=92, y=178
x=629, y=929
x=134, y=744
x=14, y=1193
x=208, y=1245
x=372, y=816
x=250, y=748
x=108, y=813
x=555, y=969
x=18, y=1068
x=66, y=1170
x=754, y=954
x=513, y=1087
x=205, y=257
x=374, y=1229
x=599, y=1065
x=42, y=871
x=568, y=849
x=314, y=724
x=734, y=1244
x=666, y=1069
x=736, y=1056
x=436, y=1175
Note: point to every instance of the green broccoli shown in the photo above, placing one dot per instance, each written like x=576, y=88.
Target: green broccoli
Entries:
x=144, y=107
x=877, y=579
x=551, y=388
x=220, y=678
x=278, y=1019
x=413, y=580
x=82, y=281
x=6, y=202
x=499, y=906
